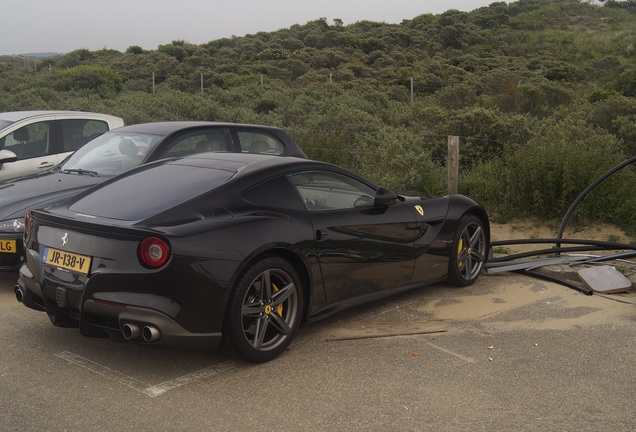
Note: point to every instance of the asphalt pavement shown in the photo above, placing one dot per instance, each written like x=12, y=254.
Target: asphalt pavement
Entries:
x=510, y=353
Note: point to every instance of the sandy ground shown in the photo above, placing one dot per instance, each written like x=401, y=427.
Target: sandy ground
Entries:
x=534, y=229
x=494, y=304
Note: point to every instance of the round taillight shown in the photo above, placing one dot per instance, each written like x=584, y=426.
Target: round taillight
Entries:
x=154, y=252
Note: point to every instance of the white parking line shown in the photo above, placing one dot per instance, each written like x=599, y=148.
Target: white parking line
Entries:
x=459, y=356
x=148, y=390
x=153, y=391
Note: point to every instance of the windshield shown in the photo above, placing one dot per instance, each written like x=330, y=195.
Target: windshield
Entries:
x=112, y=153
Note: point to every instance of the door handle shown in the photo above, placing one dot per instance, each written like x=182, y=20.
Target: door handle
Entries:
x=45, y=165
x=321, y=234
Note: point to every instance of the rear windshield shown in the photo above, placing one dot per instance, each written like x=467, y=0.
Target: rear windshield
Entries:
x=5, y=123
x=151, y=191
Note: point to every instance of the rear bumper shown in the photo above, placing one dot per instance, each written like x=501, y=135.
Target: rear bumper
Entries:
x=28, y=292
x=155, y=328
x=132, y=323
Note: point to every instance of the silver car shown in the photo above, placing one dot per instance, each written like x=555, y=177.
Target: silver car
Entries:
x=34, y=141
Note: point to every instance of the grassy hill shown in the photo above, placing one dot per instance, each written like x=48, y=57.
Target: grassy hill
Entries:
x=540, y=92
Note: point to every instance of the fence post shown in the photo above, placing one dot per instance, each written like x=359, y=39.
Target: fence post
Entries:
x=453, y=164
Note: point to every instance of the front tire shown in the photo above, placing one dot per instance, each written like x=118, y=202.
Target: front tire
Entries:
x=265, y=310
x=468, y=253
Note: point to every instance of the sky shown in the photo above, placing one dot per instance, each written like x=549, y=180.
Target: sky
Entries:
x=61, y=26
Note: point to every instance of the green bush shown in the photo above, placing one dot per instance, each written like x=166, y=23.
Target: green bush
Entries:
x=99, y=80
x=544, y=177
x=540, y=92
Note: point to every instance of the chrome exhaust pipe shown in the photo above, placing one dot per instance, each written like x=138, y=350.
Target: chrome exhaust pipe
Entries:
x=19, y=294
x=130, y=331
x=151, y=333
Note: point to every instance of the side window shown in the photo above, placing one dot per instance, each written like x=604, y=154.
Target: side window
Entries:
x=29, y=141
x=260, y=142
x=197, y=142
x=326, y=190
x=77, y=132
x=277, y=192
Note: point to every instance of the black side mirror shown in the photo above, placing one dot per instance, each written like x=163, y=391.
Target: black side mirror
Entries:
x=384, y=197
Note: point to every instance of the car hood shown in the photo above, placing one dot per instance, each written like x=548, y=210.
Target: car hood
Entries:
x=19, y=195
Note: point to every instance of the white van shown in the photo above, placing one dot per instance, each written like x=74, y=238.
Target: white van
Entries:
x=34, y=141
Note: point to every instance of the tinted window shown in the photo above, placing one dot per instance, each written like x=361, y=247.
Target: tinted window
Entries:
x=151, y=191
x=325, y=190
x=29, y=141
x=276, y=193
x=77, y=132
x=196, y=142
x=261, y=143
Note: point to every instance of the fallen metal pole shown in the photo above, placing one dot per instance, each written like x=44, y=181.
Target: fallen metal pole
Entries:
x=549, y=278
x=553, y=251
x=604, y=244
x=504, y=266
x=587, y=190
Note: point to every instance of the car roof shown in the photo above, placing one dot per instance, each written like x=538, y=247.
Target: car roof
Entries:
x=242, y=161
x=14, y=116
x=166, y=128
x=246, y=164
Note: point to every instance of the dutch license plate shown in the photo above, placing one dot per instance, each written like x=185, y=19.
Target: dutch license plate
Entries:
x=67, y=260
x=7, y=246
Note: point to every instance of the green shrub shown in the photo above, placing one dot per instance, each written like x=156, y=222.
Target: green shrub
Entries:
x=544, y=177
x=100, y=80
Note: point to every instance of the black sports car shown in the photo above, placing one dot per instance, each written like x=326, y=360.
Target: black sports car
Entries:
x=185, y=251
x=117, y=151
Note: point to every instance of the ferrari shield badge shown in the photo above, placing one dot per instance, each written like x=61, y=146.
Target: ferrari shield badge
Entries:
x=420, y=210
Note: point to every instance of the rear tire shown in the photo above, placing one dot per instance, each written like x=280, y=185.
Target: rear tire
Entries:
x=468, y=254
x=265, y=310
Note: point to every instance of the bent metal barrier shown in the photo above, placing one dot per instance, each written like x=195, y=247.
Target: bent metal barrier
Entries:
x=529, y=267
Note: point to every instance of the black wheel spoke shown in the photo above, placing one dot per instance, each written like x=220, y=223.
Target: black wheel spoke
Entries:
x=461, y=257
x=259, y=333
x=283, y=294
x=468, y=267
x=475, y=239
x=252, y=310
x=280, y=325
x=478, y=256
x=266, y=286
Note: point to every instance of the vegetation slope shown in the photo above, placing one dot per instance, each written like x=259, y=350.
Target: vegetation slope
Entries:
x=542, y=94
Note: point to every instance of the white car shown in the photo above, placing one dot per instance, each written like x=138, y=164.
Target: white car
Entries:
x=34, y=141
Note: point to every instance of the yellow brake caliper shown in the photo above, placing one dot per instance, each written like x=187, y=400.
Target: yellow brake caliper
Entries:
x=279, y=308
x=460, y=264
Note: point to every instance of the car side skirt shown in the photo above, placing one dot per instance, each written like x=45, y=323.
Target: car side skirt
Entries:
x=358, y=301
